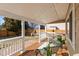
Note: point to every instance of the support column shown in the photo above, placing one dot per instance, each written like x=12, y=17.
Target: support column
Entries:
x=74, y=26
x=46, y=30
x=39, y=34
x=23, y=34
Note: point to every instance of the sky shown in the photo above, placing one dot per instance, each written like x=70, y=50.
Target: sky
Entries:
x=1, y=20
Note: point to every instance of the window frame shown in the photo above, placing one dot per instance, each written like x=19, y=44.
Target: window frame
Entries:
x=72, y=43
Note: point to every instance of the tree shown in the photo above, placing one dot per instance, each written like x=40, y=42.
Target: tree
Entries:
x=12, y=24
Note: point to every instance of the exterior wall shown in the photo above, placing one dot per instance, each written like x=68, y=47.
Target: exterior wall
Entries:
x=71, y=51
x=69, y=44
x=77, y=28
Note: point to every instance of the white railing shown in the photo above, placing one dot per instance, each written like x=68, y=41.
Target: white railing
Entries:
x=13, y=45
x=10, y=46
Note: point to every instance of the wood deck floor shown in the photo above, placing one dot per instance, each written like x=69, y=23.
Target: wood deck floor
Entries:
x=30, y=50
x=28, y=53
x=34, y=46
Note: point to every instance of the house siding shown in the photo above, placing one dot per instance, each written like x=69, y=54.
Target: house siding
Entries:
x=70, y=48
x=77, y=28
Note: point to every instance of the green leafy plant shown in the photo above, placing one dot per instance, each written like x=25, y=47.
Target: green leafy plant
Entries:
x=59, y=38
x=48, y=50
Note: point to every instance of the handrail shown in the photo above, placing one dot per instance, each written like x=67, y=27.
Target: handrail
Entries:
x=2, y=40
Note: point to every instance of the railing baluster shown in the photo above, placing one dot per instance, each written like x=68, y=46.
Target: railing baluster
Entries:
x=11, y=46
x=8, y=48
x=0, y=49
x=5, y=48
x=20, y=44
x=16, y=45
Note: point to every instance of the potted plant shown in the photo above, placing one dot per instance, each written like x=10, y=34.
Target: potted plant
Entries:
x=59, y=39
x=48, y=50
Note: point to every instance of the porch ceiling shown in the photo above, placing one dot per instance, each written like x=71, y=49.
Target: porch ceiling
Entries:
x=35, y=12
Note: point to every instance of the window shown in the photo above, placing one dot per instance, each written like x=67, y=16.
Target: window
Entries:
x=42, y=33
x=31, y=30
x=9, y=27
x=71, y=35
x=69, y=26
x=42, y=27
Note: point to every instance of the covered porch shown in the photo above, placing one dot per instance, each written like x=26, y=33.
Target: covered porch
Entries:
x=41, y=14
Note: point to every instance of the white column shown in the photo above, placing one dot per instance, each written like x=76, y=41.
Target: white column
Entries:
x=74, y=26
x=39, y=33
x=23, y=29
x=23, y=34
x=46, y=31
